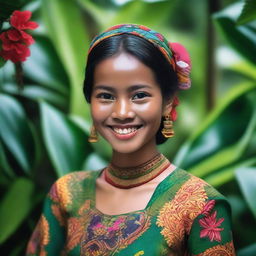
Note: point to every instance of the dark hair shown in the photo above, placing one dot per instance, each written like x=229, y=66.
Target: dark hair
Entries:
x=144, y=51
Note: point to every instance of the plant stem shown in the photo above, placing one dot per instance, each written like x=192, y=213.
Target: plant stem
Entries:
x=213, y=6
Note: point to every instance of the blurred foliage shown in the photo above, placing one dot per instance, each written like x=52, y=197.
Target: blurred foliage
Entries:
x=44, y=127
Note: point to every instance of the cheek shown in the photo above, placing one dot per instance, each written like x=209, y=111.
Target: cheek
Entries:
x=151, y=112
x=99, y=112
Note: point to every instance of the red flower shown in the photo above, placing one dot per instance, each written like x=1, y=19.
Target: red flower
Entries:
x=173, y=113
x=211, y=227
x=20, y=20
x=15, y=40
x=14, y=45
x=16, y=53
x=13, y=35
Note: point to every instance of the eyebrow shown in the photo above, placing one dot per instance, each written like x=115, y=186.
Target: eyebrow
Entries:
x=130, y=89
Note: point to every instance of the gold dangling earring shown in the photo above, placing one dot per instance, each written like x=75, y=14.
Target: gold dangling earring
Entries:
x=168, y=131
x=93, y=137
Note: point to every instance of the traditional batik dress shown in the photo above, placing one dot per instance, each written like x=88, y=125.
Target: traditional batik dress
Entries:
x=185, y=216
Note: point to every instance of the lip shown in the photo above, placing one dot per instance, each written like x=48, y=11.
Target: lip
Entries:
x=124, y=136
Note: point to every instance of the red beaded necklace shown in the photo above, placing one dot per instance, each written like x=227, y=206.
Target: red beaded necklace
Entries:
x=135, y=176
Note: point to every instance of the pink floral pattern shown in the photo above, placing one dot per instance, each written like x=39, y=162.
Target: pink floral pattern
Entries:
x=211, y=227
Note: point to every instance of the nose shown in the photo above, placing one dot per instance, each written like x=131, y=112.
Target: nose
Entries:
x=123, y=110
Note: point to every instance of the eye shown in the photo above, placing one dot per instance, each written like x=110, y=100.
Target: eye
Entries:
x=140, y=95
x=105, y=96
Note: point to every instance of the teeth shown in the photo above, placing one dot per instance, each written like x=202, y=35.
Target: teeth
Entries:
x=125, y=130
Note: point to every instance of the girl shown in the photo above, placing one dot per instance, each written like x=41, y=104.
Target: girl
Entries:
x=140, y=204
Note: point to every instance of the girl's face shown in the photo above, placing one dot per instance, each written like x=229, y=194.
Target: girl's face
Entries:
x=126, y=104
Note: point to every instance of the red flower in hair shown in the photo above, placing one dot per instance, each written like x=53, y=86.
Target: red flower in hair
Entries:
x=21, y=20
x=173, y=113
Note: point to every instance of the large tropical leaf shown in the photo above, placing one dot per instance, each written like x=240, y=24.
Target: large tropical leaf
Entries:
x=44, y=66
x=219, y=140
x=226, y=174
x=241, y=37
x=15, y=206
x=65, y=141
x=248, y=251
x=132, y=12
x=64, y=22
x=7, y=7
x=16, y=133
x=249, y=12
x=102, y=147
x=4, y=165
x=36, y=92
x=246, y=178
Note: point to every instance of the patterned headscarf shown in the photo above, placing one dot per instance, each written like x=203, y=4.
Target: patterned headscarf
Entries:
x=175, y=53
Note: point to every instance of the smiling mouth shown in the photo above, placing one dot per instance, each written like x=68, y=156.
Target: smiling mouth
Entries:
x=125, y=131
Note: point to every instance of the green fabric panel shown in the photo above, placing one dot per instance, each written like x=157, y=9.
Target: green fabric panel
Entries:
x=166, y=190
x=150, y=241
x=198, y=245
x=57, y=233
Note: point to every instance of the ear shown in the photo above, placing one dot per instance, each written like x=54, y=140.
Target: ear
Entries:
x=167, y=107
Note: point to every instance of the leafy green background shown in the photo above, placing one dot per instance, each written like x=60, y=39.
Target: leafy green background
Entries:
x=44, y=127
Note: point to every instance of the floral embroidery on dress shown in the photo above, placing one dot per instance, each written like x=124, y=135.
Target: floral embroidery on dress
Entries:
x=75, y=227
x=211, y=227
x=41, y=234
x=176, y=217
x=208, y=207
x=63, y=191
x=220, y=250
x=106, y=235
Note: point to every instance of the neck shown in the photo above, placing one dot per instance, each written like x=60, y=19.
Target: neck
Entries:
x=132, y=159
x=128, y=177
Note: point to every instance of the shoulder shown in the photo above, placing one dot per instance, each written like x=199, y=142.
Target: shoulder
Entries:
x=195, y=186
x=76, y=176
x=190, y=198
x=72, y=187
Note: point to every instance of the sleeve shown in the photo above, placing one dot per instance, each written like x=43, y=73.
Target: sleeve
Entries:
x=49, y=234
x=211, y=233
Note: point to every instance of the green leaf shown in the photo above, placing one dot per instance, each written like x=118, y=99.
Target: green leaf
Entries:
x=66, y=27
x=36, y=93
x=210, y=145
x=227, y=155
x=242, y=38
x=7, y=7
x=138, y=12
x=2, y=61
x=248, y=13
x=248, y=251
x=94, y=162
x=4, y=165
x=44, y=66
x=99, y=14
x=246, y=178
x=225, y=175
x=102, y=147
x=16, y=133
x=15, y=207
x=66, y=142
